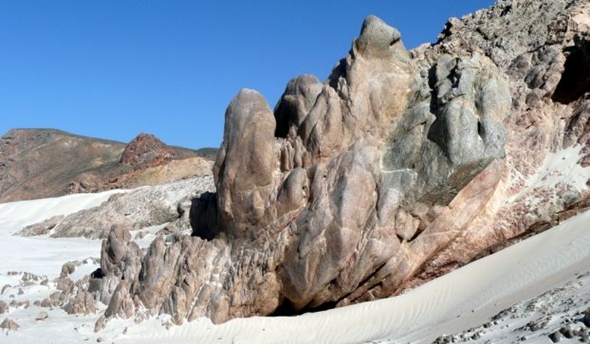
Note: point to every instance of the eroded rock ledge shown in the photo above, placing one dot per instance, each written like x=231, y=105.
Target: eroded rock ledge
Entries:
x=400, y=167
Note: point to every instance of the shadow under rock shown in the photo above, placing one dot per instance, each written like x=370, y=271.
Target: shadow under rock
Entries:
x=203, y=216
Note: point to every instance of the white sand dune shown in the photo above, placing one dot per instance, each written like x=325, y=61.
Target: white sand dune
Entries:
x=16, y=215
x=41, y=255
x=462, y=299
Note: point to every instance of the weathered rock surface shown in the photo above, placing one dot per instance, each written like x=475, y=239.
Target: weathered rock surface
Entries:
x=146, y=149
x=83, y=303
x=40, y=163
x=9, y=325
x=137, y=209
x=400, y=167
x=42, y=316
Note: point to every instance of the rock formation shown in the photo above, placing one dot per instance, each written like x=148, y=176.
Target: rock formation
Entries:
x=400, y=167
x=39, y=163
x=147, y=149
x=133, y=210
x=9, y=325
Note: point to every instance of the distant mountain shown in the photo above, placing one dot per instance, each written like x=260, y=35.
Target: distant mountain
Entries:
x=40, y=163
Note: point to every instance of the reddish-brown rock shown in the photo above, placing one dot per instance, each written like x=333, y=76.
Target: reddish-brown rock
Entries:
x=146, y=149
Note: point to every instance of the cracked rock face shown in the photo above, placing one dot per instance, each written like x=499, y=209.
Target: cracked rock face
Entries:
x=400, y=167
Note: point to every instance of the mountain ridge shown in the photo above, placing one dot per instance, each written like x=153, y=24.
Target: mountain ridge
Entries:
x=38, y=163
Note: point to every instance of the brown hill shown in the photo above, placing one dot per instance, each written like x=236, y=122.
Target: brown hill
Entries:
x=39, y=163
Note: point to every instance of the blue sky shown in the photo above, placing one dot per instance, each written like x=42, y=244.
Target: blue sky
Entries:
x=113, y=68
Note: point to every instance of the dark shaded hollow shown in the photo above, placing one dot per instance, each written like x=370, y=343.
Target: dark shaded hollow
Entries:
x=575, y=80
x=286, y=309
x=97, y=274
x=203, y=216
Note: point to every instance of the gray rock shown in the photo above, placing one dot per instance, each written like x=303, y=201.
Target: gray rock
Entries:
x=441, y=152
x=556, y=337
x=83, y=303
x=169, y=229
x=65, y=285
x=567, y=332
x=54, y=300
x=295, y=103
x=245, y=163
x=24, y=304
x=42, y=316
x=376, y=39
x=9, y=325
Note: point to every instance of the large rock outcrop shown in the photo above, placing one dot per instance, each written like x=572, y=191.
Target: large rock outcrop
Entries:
x=147, y=149
x=400, y=167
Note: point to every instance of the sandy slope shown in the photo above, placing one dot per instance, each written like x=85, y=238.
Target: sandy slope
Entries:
x=41, y=255
x=463, y=299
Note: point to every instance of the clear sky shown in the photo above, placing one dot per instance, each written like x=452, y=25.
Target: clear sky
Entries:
x=115, y=68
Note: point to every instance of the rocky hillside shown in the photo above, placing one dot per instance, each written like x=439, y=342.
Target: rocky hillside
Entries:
x=160, y=205
x=39, y=163
x=400, y=167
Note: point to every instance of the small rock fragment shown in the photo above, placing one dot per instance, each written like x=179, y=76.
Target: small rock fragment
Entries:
x=83, y=303
x=555, y=337
x=42, y=316
x=567, y=332
x=24, y=304
x=9, y=324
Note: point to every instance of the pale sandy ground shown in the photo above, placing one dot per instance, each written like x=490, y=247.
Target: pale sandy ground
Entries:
x=544, y=277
